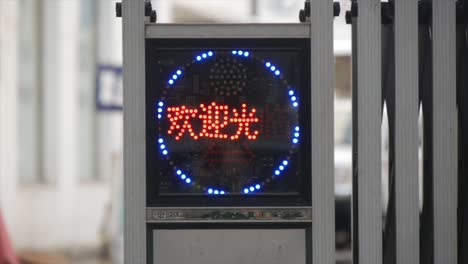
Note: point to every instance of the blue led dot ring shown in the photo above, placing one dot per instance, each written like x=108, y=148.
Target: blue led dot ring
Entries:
x=184, y=177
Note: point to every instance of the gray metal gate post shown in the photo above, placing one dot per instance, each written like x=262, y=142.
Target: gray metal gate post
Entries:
x=445, y=129
x=367, y=212
x=134, y=131
x=323, y=205
x=406, y=132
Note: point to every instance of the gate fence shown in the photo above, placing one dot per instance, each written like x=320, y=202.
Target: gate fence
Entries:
x=411, y=56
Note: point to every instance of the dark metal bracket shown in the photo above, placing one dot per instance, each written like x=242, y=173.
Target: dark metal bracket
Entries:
x=149, y=12
x=387, y=12
x=304, y=14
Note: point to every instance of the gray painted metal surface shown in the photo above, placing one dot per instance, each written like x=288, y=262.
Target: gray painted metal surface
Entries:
x=323, y=200
x=228, y=246
x=228, y=31
x=134, y=131
x=444, y=140
x=367, y=129
x=406, y=132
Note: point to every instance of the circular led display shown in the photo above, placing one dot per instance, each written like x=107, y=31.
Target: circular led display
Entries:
x=222, y=130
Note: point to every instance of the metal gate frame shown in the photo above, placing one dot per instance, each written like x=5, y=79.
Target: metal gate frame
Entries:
x=320, y=30
x=407, y=57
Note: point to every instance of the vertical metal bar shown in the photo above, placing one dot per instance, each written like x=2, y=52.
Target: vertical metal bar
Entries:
x=368, y=130
x=462, y=97
x=444, y=128
x=406, y=132
x=355, y=118
x=323, y=200
x=388, y=183
x=134, y=131
x=425, y=90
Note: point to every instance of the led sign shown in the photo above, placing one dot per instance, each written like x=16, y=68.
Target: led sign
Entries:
x=226, y=122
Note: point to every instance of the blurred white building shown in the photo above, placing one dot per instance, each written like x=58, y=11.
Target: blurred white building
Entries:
x=60, y=156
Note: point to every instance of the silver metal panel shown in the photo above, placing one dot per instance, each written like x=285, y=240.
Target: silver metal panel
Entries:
x=406, y=132
x=444, y=139
x=229, y=215
x=367, y=104
x=322, y=76
x=134, y=131
x=227, y=31
x=229, y=246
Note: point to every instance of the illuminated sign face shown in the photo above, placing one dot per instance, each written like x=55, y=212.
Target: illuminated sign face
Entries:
x=225, y=122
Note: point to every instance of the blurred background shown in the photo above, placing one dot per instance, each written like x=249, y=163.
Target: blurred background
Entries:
x=61, y=133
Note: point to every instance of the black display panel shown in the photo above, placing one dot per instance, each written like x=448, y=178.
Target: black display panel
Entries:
x=227, y=118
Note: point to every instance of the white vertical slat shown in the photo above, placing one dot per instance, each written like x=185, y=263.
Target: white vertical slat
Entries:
x=59, y=106
x=8, y=105
x=406, y=132
x=134, y=131
x=444, y=131
x=368, y=107
x=323, y=201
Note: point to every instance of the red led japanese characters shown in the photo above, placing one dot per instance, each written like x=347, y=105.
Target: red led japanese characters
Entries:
x=214, y=119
